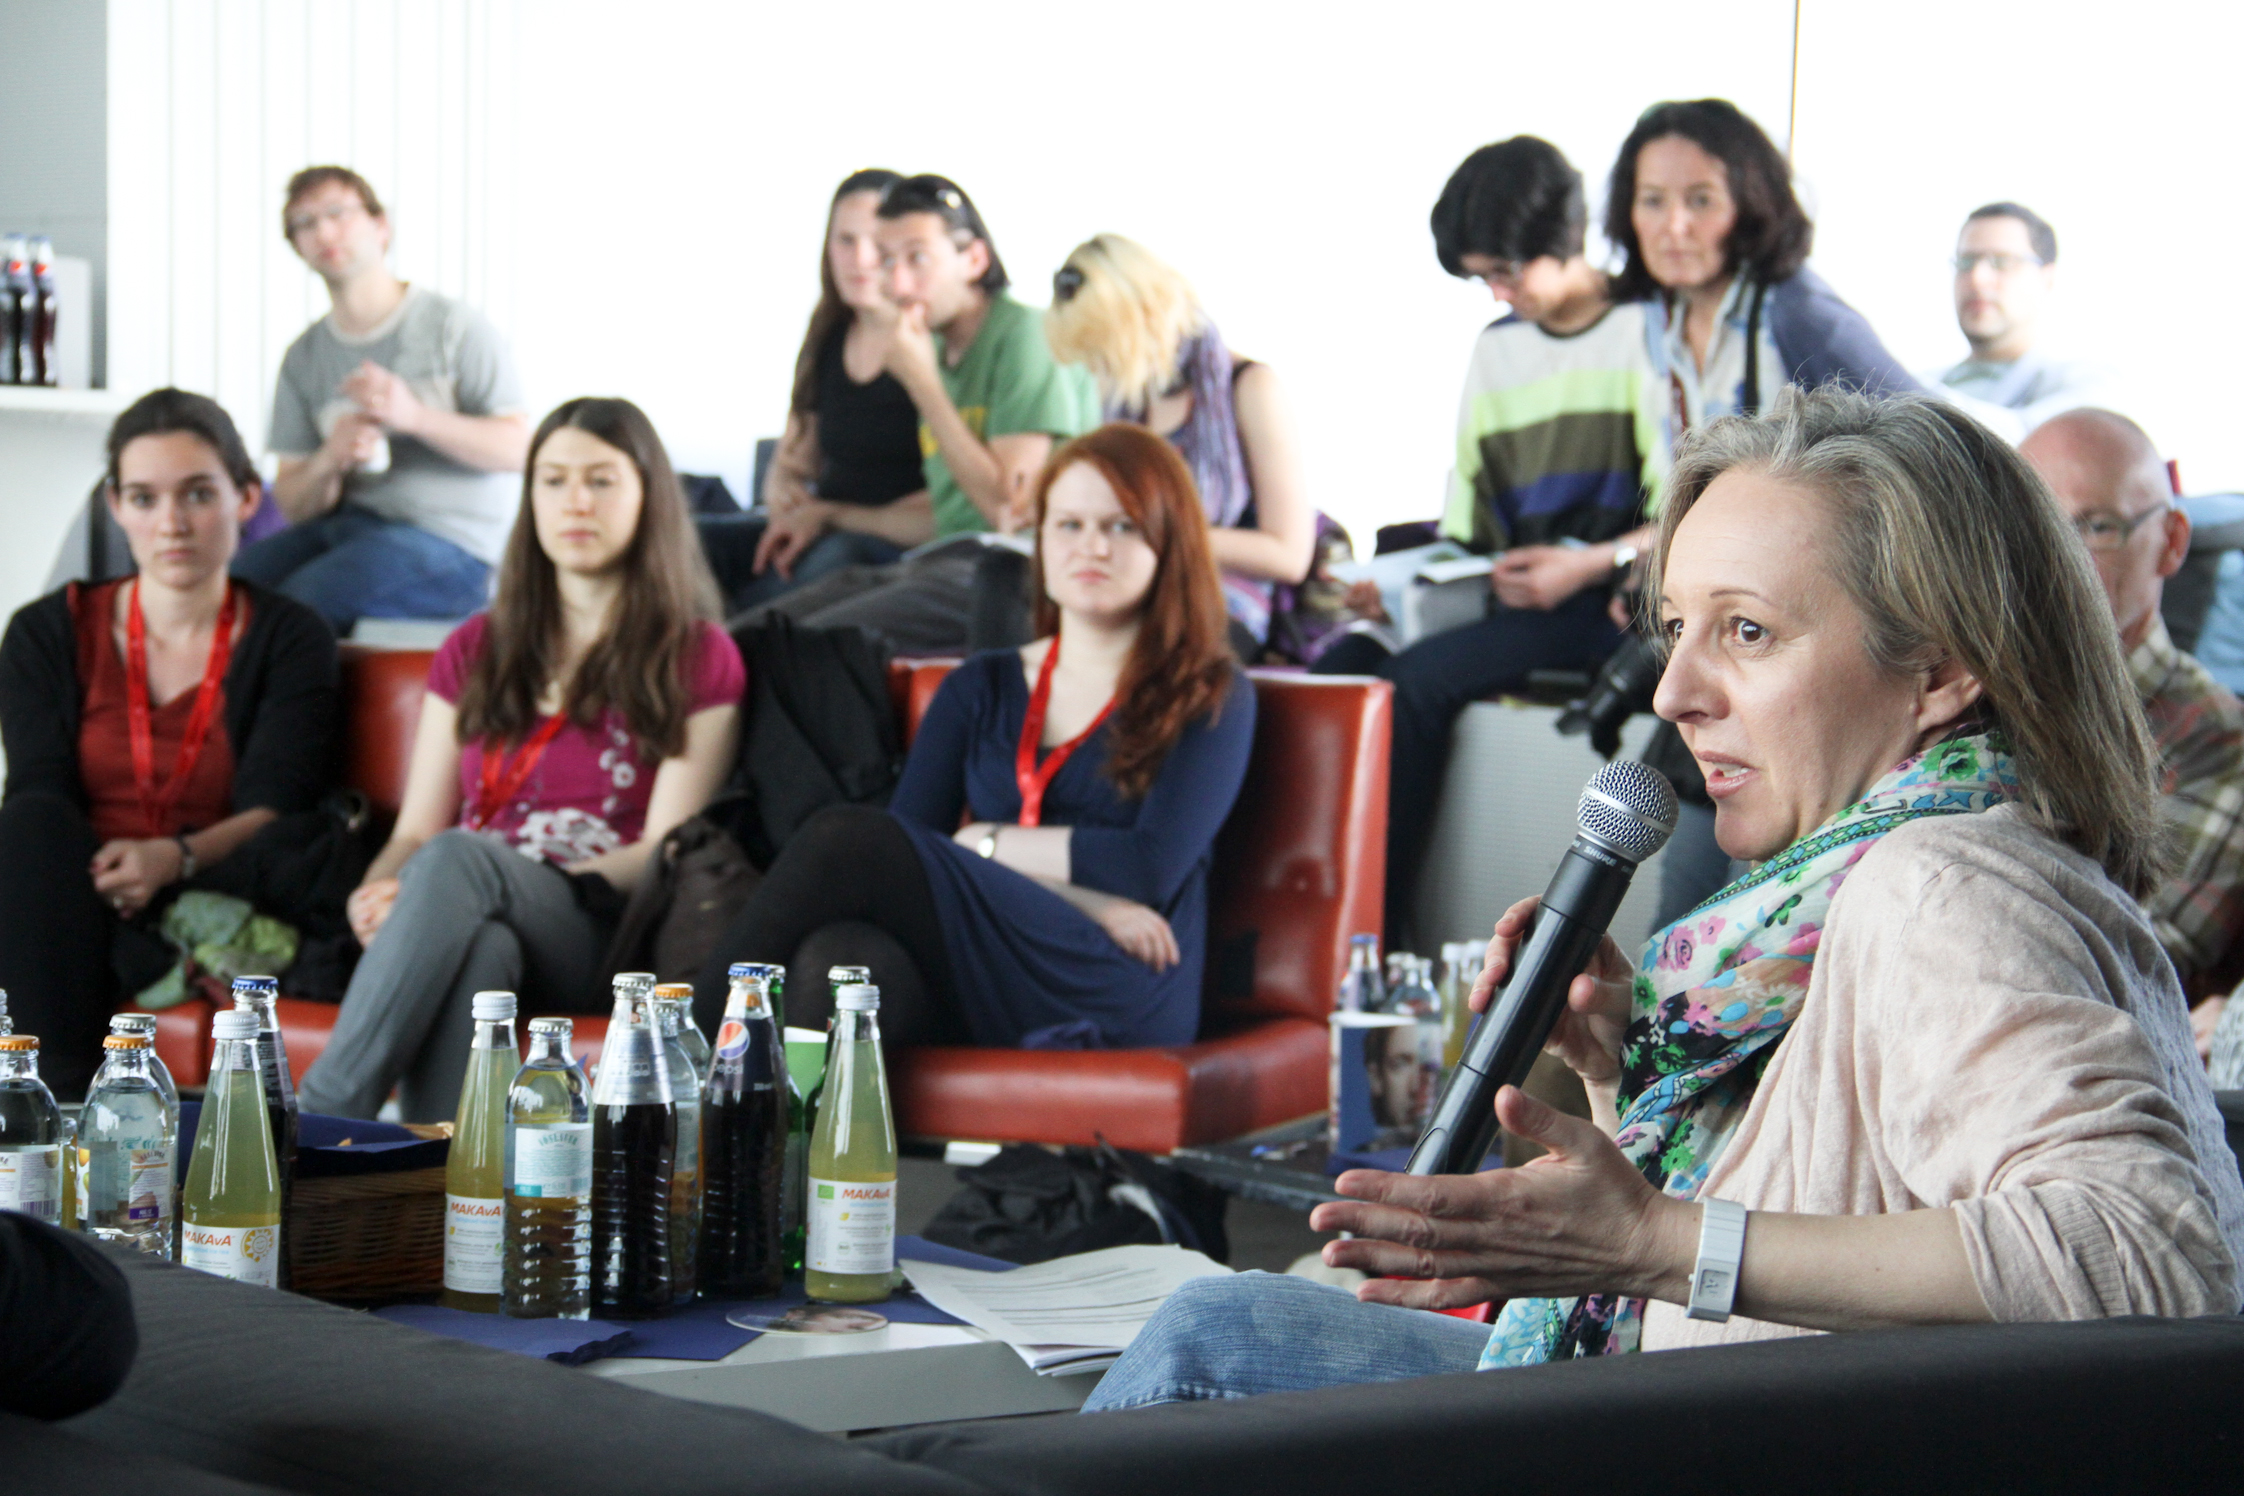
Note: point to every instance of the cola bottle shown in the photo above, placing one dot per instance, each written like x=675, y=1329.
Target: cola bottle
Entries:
x=43, y=313
x=634, y=1149
x=744, y=1150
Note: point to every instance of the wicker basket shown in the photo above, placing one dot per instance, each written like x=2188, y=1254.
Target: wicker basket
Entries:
x=369, y=1236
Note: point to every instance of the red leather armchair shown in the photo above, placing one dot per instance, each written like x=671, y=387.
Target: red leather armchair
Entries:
x=1299, y=867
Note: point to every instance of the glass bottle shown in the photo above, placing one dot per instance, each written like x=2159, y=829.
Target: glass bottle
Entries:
x=1461, y=963
x=685, y=1173
x=260, y=995
x=31, y=1134
x=144, y=1025
x=475, y=1168
x=128, y=1139
x=1362, y=989
x=852, y=1178
x=549, y=1181
x=689, y=1033
x=634, y=1146
x=744, y=1151
x=230, y=1216
x=7, y=1024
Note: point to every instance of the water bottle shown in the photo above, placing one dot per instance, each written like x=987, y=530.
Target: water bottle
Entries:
x=689, y=1033
x=7, y=1024
x=1461, y=962
x=685, y=1174
x=475, y=1168
x=128, y=1137
x=260, y=996
x=31, y=1134
x=143, y=1025
x=549, y=1181
x=852, y=1199
x=634, y=1149
x=1362, y=989
x=744, y=1154
x=230, y=1216
x=15, y=310
x=45, y=308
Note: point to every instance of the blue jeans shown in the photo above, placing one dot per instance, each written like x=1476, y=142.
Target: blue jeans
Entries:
x=730, y=541
x=350, y=564
x=1255, y=1333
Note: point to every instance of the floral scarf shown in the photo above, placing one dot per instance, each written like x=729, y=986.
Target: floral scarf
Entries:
x=1714, y=993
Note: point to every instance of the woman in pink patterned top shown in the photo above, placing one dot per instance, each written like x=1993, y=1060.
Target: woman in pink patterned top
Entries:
x=564, y=733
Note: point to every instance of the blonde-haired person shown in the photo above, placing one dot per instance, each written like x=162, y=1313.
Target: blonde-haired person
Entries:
x=1133, y=321
x=1928, y=1056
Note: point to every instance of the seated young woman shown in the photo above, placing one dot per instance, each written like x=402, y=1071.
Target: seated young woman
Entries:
x=564, y=733
x=153, y=725
x=1092, y=770
x=1928, y=1056
x=845, y=487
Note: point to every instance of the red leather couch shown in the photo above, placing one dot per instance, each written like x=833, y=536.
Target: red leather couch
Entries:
x=1299, y=867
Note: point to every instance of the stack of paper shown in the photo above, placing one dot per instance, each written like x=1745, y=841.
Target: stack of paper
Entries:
x=1068, y=1315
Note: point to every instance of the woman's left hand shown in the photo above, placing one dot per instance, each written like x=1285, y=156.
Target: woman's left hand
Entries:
x=1579, y=1219
x=129, y=873
x=1543, y=576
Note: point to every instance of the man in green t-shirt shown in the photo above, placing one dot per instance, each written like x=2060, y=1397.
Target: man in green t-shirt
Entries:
x=992, y=405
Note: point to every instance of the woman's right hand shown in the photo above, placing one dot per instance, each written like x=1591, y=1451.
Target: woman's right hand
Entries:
x=1588, y=1034
x=1139, y=931
x=369, y=906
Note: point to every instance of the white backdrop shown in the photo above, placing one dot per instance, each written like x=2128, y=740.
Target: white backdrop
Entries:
x=636, y=193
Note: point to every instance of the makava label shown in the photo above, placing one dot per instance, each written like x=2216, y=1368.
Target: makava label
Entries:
x=474, y=1233
x=247, y=1254
x=852, y=1225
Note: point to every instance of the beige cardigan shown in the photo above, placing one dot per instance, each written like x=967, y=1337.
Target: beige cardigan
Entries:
x=1991, y=1026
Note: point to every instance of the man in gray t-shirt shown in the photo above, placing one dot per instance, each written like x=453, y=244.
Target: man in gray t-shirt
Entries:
x=399, y=426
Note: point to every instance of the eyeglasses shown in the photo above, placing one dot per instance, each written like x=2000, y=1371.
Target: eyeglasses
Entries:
x=2001, y=264
x=1504, y=273
x=335, y=213
x=1066, y=281
x=2104, y=531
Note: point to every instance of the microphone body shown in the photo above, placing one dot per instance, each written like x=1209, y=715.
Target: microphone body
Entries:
x=1577, y=908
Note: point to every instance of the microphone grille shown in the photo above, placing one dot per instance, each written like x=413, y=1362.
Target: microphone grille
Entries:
x=1628, y=809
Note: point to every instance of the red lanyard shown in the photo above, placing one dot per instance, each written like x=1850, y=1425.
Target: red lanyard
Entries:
x=153, y=803
x=501, y=779
x=1026, y=773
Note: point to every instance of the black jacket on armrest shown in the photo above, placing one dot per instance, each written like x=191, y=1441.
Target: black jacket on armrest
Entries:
x=67, y=1336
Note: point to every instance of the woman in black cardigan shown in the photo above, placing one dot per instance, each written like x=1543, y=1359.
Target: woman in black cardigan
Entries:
x=152, y=726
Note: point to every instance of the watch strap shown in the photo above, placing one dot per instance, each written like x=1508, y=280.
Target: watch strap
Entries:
x=1714, y=1277
x=187, y=861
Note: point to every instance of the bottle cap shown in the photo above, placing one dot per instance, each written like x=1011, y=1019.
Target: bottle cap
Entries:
x=125, y=1041
x=858, y=997
x=633, y=983
x=740, y=969
x=674, y=991
x=564, y=1027
x=19, y=1044
x=234, y=1023
x=848, y=975
x=132, y=1023
x=256, y=987
x=493, y=1007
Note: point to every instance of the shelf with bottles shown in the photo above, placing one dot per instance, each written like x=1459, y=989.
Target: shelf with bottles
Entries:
x=44, y=400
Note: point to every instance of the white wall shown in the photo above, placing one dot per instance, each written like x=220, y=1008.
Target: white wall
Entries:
x=636, y=193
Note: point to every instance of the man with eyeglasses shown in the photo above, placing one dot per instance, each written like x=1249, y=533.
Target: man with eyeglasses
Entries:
x=2006, y=270
x=2109, y=479
x=399, y=423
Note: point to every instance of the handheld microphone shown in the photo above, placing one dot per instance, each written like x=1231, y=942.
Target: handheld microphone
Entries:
x=1626, y=814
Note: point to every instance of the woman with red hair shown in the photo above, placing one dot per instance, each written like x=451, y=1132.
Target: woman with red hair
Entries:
x=1091, y=771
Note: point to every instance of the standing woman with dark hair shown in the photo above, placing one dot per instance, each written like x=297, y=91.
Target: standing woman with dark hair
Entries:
x=153, y=725
x=845, y=487
x=1092, y=768
x=1712, y=237
x=564, y=733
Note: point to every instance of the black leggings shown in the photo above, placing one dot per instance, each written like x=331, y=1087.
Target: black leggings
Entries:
x=56, y=938
x=847, y=890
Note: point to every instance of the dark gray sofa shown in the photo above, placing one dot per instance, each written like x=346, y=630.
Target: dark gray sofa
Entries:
x=239, y=1390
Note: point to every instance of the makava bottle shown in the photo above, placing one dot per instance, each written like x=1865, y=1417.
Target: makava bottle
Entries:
x=634, y=1145
x=744, y=1150
x=549, y=1181
x=127, y=1140
x=260, y=995
x=669, y=1007
x=475, y=1169
x=852, y=1178
x=30, y=1134
x=230, y=1217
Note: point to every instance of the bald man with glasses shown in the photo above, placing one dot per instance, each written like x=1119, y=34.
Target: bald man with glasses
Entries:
x=2006, y=274
x=2109, y=478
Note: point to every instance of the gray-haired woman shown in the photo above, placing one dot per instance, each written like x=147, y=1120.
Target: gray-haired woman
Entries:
x=1929, y=1044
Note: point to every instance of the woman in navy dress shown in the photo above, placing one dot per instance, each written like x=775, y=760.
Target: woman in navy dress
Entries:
x=1039, y=879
